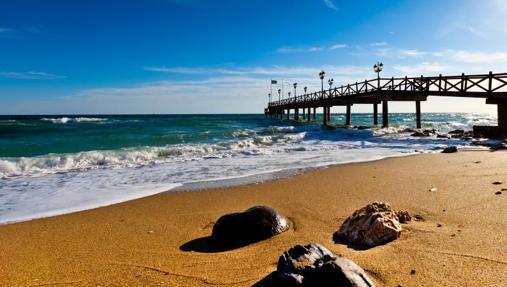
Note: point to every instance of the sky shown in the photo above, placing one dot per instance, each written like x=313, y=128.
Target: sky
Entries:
x=218, y=56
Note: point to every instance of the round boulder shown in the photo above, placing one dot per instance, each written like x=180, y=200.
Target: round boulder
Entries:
x=450, y=149
x=254, y=224
x=375, y=224
x=314, y=265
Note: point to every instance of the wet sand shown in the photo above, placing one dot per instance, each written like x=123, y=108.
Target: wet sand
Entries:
x=161, y=240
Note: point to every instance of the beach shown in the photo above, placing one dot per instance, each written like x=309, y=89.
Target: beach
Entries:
x=160, y=240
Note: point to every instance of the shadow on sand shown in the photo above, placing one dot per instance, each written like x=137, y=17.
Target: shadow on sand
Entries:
x=208, y=245
x=340, y=241
x=268, y=281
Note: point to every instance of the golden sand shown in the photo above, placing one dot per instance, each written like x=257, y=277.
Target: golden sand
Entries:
x=161, y=240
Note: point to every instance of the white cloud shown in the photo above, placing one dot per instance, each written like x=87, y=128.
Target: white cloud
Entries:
x=6, y=32
x=299, y=49
x=378, y=44
x=178, y=70
x=31, y=75
x=338, y=46
x=279, y=71
x=423, y=68
x=478, y=57
x=330, y=4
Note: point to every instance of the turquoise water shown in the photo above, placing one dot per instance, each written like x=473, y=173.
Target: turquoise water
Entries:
x=57, y=164
x=38, y=135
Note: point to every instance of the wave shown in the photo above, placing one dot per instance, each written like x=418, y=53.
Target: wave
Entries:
x=136, y=157
x=64, y=120
x=245, y=142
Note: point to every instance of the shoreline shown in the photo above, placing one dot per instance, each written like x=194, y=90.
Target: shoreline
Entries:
x=139, y=242
x=220, y=183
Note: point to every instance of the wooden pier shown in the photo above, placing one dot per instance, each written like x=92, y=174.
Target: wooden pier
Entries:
x=492, y=87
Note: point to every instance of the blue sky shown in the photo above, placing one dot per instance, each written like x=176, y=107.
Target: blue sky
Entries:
x=217, y=56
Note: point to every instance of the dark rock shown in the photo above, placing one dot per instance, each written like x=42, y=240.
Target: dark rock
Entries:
x=424, y=133
x=498, y=193
x=497, y=182
x=362, y=128
x=419, y=217
x=408, y=130
x=443, y=136
x=456, y=132
x=450, y=149
x=375, y=224
x=498, y=146
x=314, y=265
x=254, y=224
x=420, y=134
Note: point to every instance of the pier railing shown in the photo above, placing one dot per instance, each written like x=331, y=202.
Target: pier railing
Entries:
x=478, y=86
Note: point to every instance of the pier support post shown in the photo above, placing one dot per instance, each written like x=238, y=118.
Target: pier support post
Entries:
x=418, y=114
x=296, y=114
x=375, y=114
x=314, y=113
x=385, y=114
x=309, y=114
x=304, y=114
x=328, y=114
x=502, y=118
x=325, y=115
x=348, y=115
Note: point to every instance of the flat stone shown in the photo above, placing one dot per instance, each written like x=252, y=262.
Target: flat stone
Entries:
x=375, y=224
x=254, y=224
x=314, y=265
x=450, y=149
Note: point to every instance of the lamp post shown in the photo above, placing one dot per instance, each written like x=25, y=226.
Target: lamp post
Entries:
x=330, y=82
x=378, y=67
x=279, y=94
x=269, y=99
x=322, y=74
x=305, y=88
x=295, y=85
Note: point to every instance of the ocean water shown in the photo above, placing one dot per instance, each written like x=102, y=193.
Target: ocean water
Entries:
x=58, y=164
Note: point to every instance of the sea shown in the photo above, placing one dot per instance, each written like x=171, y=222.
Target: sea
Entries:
x=52, y=165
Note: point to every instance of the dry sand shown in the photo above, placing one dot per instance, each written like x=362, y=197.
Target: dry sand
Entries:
x=139, y=243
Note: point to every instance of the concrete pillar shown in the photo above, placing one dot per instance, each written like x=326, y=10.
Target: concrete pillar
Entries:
x=314, y=113
x=348, y=115
x=375, y=114
x=385, y=114
x=308, y=118
x=418, y=114
x=329, y=114
x=325, y=115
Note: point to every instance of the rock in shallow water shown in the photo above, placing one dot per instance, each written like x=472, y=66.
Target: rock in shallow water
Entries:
x=254, y=224
x=375, y=224
x=314, y=265
x=450, y=149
